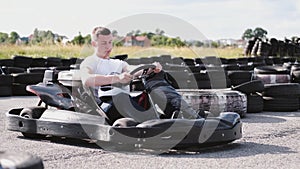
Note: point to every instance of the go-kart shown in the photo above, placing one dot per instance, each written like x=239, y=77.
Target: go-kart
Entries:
x=70, y=110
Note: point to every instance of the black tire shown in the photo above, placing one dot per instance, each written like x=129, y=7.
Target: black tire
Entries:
x=28, y=78
x=10, y=70
x=176, y=68
x=53, y=61
x=5, y=91
x=20, y=160
x=216, y=100
x=7, y=62
x=66, y=62
x=40, y=70
x=273, y=78
x=133, y=61
x=230, y=67
x=281, y=104
x=200, y=84
x=178, y=79
x=32, y=113
x=20, y=90
x=271, y=70
x=246, y=67
x=6, y=80
x=235, y=82
x=121, y=57
x=239, y=74
x=250, y=87
x=255, y=103
x=177, y=60
x=282, y=89
x=38, y=62
x=295, y=76
x=22, y=61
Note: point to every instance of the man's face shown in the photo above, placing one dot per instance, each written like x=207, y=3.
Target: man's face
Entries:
x=103, y=46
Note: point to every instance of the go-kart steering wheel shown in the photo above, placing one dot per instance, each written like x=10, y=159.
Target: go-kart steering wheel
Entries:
x=143, y=67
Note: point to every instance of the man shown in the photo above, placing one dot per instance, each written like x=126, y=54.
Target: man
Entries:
x=99, y=70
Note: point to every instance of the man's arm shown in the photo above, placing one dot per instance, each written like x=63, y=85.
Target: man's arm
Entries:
x=92, y=80
x=157, y=69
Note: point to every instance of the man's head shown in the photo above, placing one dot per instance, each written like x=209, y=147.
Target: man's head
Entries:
x=102, y=41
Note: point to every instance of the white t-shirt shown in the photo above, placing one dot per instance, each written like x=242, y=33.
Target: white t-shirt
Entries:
x=105, y=67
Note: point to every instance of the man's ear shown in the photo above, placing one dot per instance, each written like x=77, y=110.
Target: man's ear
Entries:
x=94, y=43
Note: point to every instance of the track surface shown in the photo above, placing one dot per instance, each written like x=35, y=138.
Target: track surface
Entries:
x=270, y=140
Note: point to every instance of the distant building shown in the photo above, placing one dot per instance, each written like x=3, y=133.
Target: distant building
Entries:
x=61, y=39
x=142, y=41
x=22, y=40
x=232, y=42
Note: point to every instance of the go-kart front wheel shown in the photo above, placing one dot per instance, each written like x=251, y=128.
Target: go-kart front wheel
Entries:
x=32, y=113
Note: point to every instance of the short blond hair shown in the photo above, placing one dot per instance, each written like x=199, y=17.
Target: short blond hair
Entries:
x=99, y=31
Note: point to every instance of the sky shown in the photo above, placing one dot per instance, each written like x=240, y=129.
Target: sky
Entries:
x=213, y=19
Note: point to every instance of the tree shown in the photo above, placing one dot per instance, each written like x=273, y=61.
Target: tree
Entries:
x=3, y=37
x=137, y=32
x=87, y=39
x=256, y=33
x=13, y=37
x=114, y=33
x=215, y=44
x=159, y=32
x=260, y=33
x=78, y=40
x=248, y=34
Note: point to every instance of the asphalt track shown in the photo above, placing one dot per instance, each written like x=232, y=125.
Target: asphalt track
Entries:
x=270, y=140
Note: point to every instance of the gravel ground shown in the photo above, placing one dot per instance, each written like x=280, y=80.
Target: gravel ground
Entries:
x=270, y=140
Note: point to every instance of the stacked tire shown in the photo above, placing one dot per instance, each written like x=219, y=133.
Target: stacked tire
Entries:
x=238, y=77
x=21, y=80
x=216, y=100
x=252, y=90
x=272, y=74
x=281, y=97
x=295, y=73
x=6, y=85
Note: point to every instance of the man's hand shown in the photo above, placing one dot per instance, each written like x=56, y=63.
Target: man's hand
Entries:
x=124, y=77
x=158, y=67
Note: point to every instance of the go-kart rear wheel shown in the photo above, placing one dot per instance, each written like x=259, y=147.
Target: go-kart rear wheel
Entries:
x=32, y=113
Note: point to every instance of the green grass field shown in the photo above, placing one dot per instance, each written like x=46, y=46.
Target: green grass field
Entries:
x=7, y=51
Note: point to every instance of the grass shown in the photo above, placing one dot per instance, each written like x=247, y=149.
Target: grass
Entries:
x=7, y=51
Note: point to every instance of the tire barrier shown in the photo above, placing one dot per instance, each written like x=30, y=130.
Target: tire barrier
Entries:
x=281, y=97
x=216, y=100
x=246, y=75
x=20, y=71
x=273, y=47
